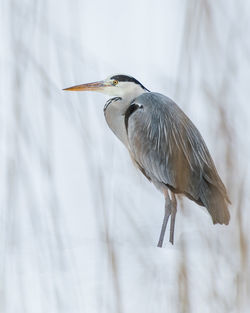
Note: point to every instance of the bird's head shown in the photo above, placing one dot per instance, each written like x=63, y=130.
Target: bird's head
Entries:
x=116, y=85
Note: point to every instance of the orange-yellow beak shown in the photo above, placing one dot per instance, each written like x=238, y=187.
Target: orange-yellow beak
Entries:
x=96, y=86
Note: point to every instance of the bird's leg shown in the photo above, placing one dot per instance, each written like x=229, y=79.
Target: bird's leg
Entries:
x=165, y=220
x=173, y=214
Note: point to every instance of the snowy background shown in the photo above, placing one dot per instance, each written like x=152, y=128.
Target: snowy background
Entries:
x=78, y=223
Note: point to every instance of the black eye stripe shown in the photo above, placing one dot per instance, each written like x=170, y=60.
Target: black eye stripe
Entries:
x=125, y=78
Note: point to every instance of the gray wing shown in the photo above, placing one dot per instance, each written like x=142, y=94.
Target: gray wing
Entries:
x=169, y=149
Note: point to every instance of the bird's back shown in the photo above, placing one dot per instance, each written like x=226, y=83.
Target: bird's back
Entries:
x=171, y=152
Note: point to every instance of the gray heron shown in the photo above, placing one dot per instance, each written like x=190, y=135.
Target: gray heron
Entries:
x=164, y=145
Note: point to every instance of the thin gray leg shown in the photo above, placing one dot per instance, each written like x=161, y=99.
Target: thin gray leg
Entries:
x=165, y=220
x=173, y=214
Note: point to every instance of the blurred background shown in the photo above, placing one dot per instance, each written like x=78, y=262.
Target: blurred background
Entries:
x=78, y=223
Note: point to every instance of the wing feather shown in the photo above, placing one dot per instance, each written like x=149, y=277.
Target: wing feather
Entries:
x=169, y=148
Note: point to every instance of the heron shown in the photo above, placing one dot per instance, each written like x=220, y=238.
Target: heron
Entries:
x=164, y=145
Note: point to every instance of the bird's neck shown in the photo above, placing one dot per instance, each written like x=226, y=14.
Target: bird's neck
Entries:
x=119, y=105
x=129, y=97
x=114, y=111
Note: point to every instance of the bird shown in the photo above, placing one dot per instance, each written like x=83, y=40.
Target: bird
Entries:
x=164, y=145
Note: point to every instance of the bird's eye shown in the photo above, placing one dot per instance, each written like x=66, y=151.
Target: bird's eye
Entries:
x=115, y=82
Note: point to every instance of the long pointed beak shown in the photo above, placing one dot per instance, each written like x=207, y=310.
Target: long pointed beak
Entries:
x=96, y=86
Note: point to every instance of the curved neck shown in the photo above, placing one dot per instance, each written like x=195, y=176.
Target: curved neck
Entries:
x=114, y=112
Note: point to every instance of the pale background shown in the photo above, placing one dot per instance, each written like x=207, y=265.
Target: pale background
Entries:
x=78, y=223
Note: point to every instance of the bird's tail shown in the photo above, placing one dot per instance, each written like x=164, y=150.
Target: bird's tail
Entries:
x=215, y=202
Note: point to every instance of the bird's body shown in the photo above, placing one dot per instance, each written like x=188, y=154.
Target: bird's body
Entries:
x=166, y=146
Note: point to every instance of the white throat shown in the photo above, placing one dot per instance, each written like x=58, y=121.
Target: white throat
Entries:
x=116, y=108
